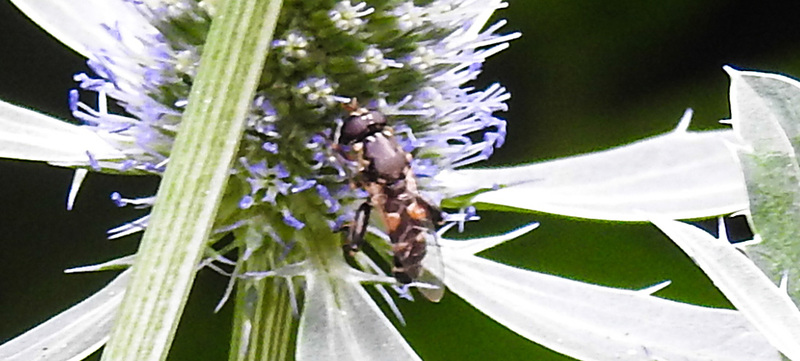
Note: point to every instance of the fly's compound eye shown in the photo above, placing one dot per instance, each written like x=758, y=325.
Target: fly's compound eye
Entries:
x=355, y=128
x=376, y=120
x=360, y=125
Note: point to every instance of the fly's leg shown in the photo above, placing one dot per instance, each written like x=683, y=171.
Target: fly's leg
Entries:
x=357, y=229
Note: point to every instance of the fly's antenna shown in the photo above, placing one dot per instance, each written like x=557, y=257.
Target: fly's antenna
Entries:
x=352, y=106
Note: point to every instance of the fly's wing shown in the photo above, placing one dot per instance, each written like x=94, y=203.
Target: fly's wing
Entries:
x=417, y=257
x=433, y=264
x=431, y=276
x=432, y=270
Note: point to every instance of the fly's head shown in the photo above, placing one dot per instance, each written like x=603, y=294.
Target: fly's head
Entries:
x=360, y=124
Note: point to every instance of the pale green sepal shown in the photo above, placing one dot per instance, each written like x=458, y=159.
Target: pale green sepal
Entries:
x=114, y=264
x=590, y=322
x=73, y=334
x=677, y=175
x=766, y=306
x=79, y=24
x=340, y=321
x=28, y=135
x=765, y=113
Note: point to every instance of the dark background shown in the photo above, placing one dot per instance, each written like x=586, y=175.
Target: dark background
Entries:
x=585, y=76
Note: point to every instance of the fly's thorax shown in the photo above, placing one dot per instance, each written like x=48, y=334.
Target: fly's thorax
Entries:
x=387, y=160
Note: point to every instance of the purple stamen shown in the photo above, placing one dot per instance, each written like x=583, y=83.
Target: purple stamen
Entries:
x=270, y=147
x=280, y=171
x=118, y=200
x=93, y=162
x=303, y=184
x=330, y=202
x=74, y=99
x=291, y=221
x=246, y=202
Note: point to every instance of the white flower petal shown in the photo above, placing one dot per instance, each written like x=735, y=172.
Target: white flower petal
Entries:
x=73, y=334
x=78, y=24
x=677, y=175
x=340, y=321
x=590, y=322
x=29, y=135
x=768, y=307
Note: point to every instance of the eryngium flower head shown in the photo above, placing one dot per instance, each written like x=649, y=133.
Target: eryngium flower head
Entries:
x=410, y=60
x=291, y=188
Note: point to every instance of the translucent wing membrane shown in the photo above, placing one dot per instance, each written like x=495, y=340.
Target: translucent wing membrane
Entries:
x=430, y=281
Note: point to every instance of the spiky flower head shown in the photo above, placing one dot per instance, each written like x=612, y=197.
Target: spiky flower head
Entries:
x=412, y=61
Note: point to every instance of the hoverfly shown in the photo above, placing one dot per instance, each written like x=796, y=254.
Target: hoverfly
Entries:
x=384, y=171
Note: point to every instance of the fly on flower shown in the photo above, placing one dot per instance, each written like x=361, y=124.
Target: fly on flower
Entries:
x=383, y=169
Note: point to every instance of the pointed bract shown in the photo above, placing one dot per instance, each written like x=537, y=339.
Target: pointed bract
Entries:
x=29, y=135
x=677, y=175
x=341, y=321
x=765, y=114
x=76, y=23
x=591, y=322
x=73, y=334
x=765, y=305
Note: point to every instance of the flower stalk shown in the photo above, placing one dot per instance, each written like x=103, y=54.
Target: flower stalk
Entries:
x=263, y=323
x=191, y=189
x=266, y=307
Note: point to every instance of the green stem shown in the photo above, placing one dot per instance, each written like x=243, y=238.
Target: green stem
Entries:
x=264, y=324
x=195, y=180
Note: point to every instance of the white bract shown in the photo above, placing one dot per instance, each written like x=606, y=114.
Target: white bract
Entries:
x=759, y=276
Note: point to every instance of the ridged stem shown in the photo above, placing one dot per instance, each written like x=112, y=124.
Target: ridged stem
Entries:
x=264, y=323
x=194, y=182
